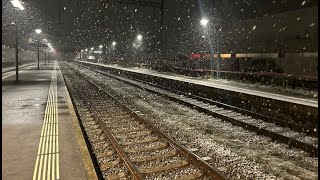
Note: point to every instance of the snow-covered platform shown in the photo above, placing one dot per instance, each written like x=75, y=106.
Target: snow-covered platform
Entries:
x=290, y=95
x=280, y=105
x=41, y=136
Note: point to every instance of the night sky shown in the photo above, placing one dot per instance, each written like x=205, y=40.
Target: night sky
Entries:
x=85, y=24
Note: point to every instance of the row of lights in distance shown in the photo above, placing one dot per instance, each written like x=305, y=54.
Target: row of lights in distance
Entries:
x=139, y=37
x=38, y=31
x=17, y=4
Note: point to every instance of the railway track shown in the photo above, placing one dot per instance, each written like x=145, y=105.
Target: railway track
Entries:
x=246, y=119
x=127, y=146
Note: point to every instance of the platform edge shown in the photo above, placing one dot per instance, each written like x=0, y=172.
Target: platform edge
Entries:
x=85, y=155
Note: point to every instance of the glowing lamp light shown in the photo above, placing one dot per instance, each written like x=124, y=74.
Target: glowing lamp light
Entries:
x=38, y=31
x=204, y=22
x=17, y=4
x=139, y=37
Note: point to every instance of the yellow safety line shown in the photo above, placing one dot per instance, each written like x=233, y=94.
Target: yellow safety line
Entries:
x=47, y=161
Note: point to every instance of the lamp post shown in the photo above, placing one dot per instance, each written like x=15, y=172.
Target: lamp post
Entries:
x=17, y=4
x=204, y=22
x=49, y=45
x=100, y=48
x=86, y=51
x=113, y=48
x=139, y=41
x=38, y=31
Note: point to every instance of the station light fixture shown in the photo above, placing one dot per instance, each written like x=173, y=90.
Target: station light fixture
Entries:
x=38, y=31
x=114, y=43
x=139, y=37
x=17, y=4
x=204, y=22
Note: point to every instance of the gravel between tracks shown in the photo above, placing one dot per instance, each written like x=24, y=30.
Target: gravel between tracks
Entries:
x=240, y=154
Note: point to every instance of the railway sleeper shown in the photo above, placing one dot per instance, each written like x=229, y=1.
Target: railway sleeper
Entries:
x=144, y=149
x=128, y=130
x=168, y=167
x=109, y=165
x=195, y=175
x=100, y=140
x=141, y=142
x=105, y=154
x=153, y=158
x=123, y=125
x=116, y=176
x=112, y=122
x=139, y=134
x=106, y=118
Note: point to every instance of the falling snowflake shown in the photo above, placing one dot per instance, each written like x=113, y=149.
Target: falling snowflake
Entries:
x=254, y=27
x=312, y=24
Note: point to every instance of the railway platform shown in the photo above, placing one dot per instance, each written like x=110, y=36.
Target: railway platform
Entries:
x=41, y=136
x=279, y=107
x=223, y=85
x=13, y=68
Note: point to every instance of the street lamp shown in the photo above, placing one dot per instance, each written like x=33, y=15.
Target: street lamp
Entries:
x=137, y=45
x=204, y=22
x=81, y=54
x=100, y=53
x=139, y=37
x=17, y=4
x=114, y=45
x=38, y=31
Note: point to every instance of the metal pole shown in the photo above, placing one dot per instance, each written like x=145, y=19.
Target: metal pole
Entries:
x=17, y=55
x=161, y=27
x=154, y=32
x=45, y=56
x=38, y=58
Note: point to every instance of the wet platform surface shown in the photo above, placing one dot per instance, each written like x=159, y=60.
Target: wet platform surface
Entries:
x=40, y=134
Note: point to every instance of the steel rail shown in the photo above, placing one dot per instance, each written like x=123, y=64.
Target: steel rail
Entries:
x=129, y=164
x=275, y=136
x=196, y=160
